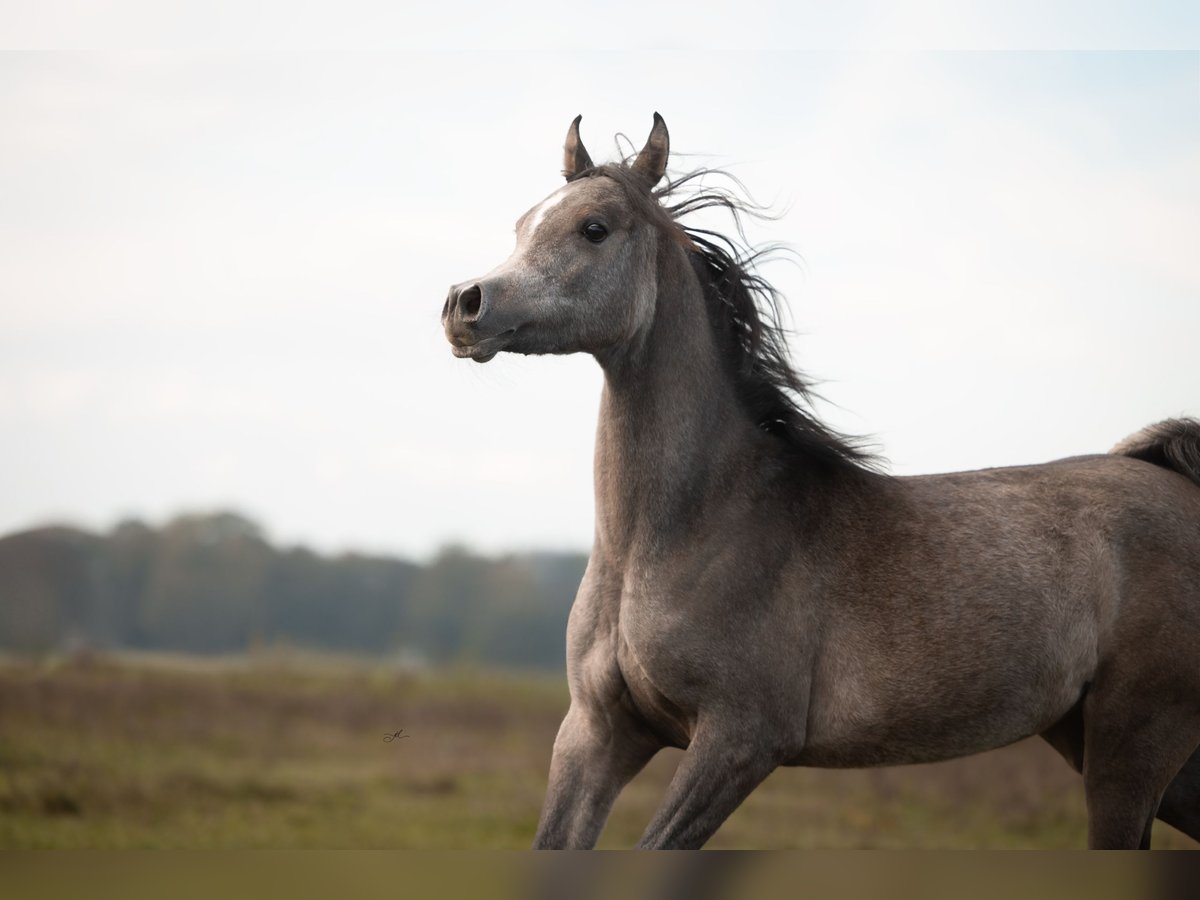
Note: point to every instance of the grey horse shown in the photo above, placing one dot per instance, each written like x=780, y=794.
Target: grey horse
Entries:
x=760, y=594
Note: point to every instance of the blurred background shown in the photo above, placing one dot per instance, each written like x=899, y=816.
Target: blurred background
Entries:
x=258, y=519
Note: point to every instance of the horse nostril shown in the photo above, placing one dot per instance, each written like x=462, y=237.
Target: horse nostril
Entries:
x=469, y=301
x=445, y=309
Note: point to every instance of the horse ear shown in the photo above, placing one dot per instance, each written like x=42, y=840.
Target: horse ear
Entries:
x=651, y=163
x=575, y=155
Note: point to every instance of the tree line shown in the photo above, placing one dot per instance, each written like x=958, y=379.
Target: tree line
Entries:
x=214, y=583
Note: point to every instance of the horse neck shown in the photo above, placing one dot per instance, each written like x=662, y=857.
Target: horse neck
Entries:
x=672, y=434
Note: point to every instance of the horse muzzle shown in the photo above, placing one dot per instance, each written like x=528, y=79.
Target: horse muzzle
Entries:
x=463, y=317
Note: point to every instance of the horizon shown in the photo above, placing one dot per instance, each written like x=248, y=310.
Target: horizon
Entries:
x=450, y=548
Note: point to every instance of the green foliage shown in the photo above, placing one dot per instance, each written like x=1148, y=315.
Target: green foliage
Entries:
x=213, y=583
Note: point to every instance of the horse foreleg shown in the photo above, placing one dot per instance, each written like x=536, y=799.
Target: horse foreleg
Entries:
x=596, y=754
x=718, y=771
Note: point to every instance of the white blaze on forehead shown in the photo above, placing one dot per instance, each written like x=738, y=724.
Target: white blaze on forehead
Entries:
x=546, y=205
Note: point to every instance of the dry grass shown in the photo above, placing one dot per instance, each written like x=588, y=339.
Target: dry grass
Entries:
x=289, y=753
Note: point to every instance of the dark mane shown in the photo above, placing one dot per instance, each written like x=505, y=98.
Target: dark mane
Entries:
x=744, y=309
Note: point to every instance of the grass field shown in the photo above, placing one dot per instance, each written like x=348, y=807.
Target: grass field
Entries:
x=289, y=752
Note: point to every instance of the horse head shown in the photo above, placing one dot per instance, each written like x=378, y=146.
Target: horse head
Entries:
x=582, y=275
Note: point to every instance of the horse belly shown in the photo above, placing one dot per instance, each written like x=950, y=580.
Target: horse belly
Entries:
x=911, y=709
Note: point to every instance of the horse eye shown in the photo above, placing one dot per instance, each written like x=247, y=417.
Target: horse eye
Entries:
x=595, y=232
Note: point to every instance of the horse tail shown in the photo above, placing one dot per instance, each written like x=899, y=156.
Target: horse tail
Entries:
x=1173, y=444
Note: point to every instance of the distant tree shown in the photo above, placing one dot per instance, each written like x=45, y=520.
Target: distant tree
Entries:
x=446, y=593
x=204, y=590
x=46, y=586
x=213, y=583
x=126, y=558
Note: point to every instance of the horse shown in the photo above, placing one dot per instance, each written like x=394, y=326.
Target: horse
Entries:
x=761, y=593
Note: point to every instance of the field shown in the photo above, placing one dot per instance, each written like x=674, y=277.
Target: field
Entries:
x=288, y=751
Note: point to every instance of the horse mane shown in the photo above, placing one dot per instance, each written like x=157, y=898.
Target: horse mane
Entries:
x=745, y=312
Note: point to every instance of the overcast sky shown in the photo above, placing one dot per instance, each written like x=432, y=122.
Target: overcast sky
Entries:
x=221, y=273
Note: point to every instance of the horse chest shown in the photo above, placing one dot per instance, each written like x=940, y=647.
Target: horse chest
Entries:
x=672, y=721
x=658, y=675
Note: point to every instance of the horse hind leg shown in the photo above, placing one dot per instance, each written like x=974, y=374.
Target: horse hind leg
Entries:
x=1135, y=745
x=1066, y=735
x=1180, y=805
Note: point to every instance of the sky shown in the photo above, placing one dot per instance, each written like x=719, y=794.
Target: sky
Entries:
x=221, y=270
